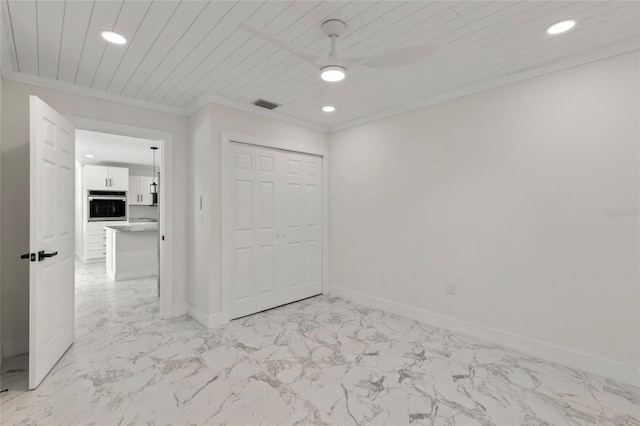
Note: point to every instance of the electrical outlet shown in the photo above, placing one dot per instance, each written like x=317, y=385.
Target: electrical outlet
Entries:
x=451, y=288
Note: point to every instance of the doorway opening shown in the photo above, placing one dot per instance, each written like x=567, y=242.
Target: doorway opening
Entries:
x=145, y=210
x=117, y=217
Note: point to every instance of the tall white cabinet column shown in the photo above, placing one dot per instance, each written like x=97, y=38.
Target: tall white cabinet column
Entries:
x=277, y=228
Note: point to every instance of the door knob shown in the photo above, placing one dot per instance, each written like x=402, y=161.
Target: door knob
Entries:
x=42, y=255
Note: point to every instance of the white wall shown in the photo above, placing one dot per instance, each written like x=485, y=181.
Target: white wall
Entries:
x=1, y=344
x=15, y=191
x=202, y=248
x=206, y=126
x=506, y=192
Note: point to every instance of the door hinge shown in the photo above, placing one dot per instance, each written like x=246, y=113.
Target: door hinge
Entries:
x=30, y=256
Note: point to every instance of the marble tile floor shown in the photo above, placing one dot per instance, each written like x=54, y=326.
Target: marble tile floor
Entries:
x=320, y=361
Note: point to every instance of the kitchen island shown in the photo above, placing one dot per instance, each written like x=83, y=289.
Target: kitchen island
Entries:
x=132, y=251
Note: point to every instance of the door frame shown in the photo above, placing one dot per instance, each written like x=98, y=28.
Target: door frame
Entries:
x=226, y=243
x=166, y=196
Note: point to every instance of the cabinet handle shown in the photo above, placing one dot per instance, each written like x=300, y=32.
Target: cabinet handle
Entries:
x=110, y=182
x=106, y=182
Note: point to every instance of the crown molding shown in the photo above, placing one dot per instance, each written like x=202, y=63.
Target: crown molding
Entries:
x=87, y=91
x=186, y=111
x=618, y=48
x=207, y=98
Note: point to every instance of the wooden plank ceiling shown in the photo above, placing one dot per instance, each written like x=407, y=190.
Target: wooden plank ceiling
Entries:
x=180, y=50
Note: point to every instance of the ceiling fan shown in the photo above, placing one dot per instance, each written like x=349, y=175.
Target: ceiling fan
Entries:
x=334, y=68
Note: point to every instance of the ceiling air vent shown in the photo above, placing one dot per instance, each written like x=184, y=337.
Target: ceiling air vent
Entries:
x=265, y=104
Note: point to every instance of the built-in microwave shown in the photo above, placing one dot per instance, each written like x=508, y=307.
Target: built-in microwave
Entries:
x=107, y=205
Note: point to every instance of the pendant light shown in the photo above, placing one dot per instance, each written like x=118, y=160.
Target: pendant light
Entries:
x=154, y=185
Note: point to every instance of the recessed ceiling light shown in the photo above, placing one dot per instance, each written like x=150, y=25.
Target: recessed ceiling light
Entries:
x=89, y=155
x=561, y=27
x=328, y=108
x=333, y=73
x=113, y=37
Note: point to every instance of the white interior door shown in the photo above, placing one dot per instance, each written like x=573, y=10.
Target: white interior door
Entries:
x=276, y=204
x=242, y=273
x=302, y=219
x=51, y=239
x=268, y=243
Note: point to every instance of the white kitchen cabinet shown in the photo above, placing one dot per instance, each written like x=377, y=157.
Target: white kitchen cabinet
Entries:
x=95, y=244
x=132, y=251
x=118, y=178
x=104, y=178
x=140, y=191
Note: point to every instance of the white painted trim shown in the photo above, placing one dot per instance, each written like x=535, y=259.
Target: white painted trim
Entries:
x=226, y=215
x=574, y=359
x=208, y=98
x=188, y=110
x=166, y=194
x=227, y=137
x=132, y=275
x=618, y=48
x=209, y=321
x=87, y=91
x=179, y=309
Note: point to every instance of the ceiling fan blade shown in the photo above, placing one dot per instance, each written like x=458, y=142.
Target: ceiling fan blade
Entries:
x=320, y=90
x=399, y=57
x=309, y=57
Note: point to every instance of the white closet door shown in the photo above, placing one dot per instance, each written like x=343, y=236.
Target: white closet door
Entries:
x=242, y=272
x=312, y=232
x=301, y=217
x=277, y=228
x=268, y=243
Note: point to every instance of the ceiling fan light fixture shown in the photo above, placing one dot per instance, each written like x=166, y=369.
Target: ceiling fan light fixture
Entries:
x=328, y=108
x=113, y=37
x=333, y=73
x=561, y=27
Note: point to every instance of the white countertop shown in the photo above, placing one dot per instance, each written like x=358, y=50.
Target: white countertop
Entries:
x=135, y=227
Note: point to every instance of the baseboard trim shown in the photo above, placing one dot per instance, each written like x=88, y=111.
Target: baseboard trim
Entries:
x=132, y=275
x=179, y=310
x=575, y=359
x=208, y=320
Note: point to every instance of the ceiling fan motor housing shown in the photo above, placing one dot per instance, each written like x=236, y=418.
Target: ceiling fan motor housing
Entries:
x=334, y=27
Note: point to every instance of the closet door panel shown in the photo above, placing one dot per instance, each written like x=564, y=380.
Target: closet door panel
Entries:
x=243, y=271
x=312, y=264
x=267, y=242
x=313, y=224
x=302, y=194
x=294, y=265
x=277, y=198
